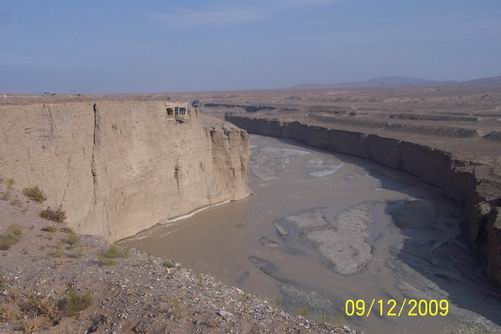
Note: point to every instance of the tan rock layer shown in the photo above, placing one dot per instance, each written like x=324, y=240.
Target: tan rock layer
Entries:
x=472, y=185
x=117, y=168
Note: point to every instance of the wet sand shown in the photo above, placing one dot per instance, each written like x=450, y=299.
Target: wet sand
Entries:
x=321, y=228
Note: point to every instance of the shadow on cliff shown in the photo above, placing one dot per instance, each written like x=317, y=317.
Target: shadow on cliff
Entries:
x=449, y=268
x=431, y=262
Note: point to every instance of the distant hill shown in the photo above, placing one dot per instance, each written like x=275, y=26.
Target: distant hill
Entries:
x=400, y=82
x=484, y=82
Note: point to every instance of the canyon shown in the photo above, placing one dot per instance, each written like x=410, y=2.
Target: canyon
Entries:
x=408, y=197
x=119, y=167
x=473, y=185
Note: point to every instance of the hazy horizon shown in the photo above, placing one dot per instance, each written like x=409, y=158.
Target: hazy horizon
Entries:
x=130, y=46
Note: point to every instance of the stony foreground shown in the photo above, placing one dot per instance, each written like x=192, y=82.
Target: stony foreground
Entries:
x=55, y=281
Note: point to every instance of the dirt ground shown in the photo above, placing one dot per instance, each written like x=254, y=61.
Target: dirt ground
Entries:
x=55, y=281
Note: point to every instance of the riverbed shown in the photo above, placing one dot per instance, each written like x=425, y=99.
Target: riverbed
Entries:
x=321, y=228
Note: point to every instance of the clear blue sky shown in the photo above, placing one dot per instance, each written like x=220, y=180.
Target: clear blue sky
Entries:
x=99, y=46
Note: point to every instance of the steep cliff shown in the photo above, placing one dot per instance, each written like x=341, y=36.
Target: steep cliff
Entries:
x=477, y=187
x=117, y=168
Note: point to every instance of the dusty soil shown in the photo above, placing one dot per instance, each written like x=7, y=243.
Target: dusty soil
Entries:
x=54, y=281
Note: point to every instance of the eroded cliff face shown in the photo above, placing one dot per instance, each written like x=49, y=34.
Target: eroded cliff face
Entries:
x=117, y=168
x=474, y=186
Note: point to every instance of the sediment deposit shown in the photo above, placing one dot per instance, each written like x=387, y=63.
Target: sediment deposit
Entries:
x=130, y=293
x=324, y=227
x=471, y=183
x=117, y=168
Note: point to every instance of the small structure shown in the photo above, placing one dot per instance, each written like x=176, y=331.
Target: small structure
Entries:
x=178, y=111
x=181, y=113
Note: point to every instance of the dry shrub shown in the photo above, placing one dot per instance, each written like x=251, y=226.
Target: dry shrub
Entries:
x=36, y=306
x=73, y=302
x=7, y=315
x=105, y=262
x=9, y=183
x=35, y=194
x=107, y=257
x=15, y=202
x=30, y=326
x=55, y=215
x=58, y=251
x=50, y=229
x=168, y=264
x=302, y=311
x=72, y=239
x=11, y=237
x=115, y=251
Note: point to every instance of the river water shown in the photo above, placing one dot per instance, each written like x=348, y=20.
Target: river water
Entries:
x=321, y=228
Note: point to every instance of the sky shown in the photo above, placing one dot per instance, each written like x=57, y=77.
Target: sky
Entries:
x=121, y=46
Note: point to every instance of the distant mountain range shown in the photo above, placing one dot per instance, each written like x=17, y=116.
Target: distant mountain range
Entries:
x=401, y=82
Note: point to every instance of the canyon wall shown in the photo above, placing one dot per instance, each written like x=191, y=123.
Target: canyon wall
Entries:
x=475, y=187
x=117, y=168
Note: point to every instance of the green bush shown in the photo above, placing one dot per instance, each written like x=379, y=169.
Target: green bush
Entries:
x=114, y=252
x=168, y=264
x=108, y=256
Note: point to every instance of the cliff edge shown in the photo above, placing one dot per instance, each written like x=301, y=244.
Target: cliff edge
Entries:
x=472, y=184
x=117, y=168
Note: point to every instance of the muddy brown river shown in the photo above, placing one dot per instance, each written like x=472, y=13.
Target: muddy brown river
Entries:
x=321, y=228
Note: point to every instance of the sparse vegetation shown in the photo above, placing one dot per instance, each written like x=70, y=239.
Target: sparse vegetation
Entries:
x=30, y=325
x=107, y=257
x=15, y=202
x=9, y=183
x=175, y=307
x=58, y=252
x=115, y=251
x=15, y=230
x=55, y=215
x=35, y=194
x=4, y=195
x=104, y=261
x=75, y=253
x=49, y=229
x=340, y=322
x=168, y=264
x=73, y=302
x=36, y=306
x=72, y=238
x=11, y=237
x=277, y=302
x=302, y=311
x=6, y=314
x=323, y=317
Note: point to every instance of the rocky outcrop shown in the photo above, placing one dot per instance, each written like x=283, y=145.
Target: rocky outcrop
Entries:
x=117, y=168
x=475, y=186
